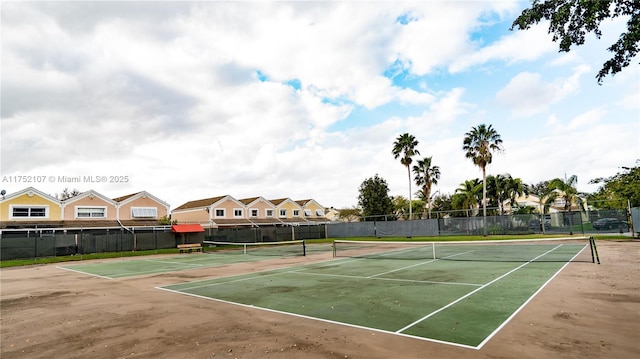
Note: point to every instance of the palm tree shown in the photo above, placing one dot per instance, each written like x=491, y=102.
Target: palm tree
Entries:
x=426, y=175
x=467, y=196
x=565, y=189
x=479, y=144
x=515, y=189
x=405, y=148
x=504, y=188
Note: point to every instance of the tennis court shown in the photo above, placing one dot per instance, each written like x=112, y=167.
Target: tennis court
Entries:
x=216, y=254
x=460, y=294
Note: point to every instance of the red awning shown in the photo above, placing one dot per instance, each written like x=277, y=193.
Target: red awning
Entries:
x=186, y=228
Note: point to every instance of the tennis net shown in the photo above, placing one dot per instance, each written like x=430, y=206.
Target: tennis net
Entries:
x=281, y=249
x=580, y=249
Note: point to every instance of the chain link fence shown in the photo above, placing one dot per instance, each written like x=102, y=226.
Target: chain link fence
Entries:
x=37, y=243
x=593, y=222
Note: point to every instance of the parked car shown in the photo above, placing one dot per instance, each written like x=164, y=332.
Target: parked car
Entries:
x=610, y=223
x=534, y=224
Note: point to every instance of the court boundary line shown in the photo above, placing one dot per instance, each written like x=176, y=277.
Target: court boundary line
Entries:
x=85, y=273
x=169, y=262
x=475, y=290
x=398, y=333
x=490, y=336
x=415, y=265
x=190, y=266
x=388, y=279
x=317, y=319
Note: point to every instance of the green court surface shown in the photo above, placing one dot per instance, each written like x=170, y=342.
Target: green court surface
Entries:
x=135, y=267
x=459, y=302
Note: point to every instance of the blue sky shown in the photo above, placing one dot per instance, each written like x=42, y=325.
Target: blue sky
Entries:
x=299, y=99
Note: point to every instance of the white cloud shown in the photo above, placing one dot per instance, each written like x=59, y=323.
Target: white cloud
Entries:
x=587, y=119
x=509, y=49
x=527, y=94
x=192, y=100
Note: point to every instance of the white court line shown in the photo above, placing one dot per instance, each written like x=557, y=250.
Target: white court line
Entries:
x=177, y=263
x=415, y=265
x=86, y=273
x=234, y=281
x=388, y=279
x=474, y=291
x=527, y=301
x=319, y=319
x=180, y=291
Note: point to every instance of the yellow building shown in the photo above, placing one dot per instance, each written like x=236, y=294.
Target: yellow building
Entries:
x=30, y=205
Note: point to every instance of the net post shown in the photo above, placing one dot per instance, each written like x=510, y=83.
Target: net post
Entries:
x=304, y=248
x=594, y=251
x=244, y=248
x=433, y=246
x=333, y=247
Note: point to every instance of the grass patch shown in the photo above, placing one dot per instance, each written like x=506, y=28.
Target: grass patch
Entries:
x=83, y=257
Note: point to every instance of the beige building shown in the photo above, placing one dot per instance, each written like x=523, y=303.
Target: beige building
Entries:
x=226, y=211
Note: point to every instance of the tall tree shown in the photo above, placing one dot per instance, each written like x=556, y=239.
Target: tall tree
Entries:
x=617, y=190
x=567, y=191
x=442, y=203
x=349, y=214
x=571, y=20
x=405, y=148
x=426, y=175
x=467, y=196
x=374, y=198
x=539, y=189
x=479, y=144
x=504, y=189
x=515, y=189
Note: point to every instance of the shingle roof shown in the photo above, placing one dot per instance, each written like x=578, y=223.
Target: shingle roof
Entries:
x=200, y=203
x=122, y=198
x=246, y=201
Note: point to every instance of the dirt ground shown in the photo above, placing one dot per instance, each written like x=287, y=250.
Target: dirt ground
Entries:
x=587, y=311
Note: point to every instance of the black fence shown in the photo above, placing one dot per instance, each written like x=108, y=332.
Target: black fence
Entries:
x=266, y=234
x=593, y=222
x=37, y=243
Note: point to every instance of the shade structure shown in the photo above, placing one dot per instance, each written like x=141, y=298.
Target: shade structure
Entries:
x=186, y=228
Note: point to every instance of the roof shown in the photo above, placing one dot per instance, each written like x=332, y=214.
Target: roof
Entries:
x=186, y=228
x=91, y=194
x=29, y=191
x=122, y=198
x=200, y=203
x=247, y=201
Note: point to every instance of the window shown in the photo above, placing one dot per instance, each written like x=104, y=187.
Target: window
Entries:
x=269, y=213
x=559, y=202
x=283, y=213
x=254, y=212
x=219, y=212
x=307, y=213
x=29, y=212
x=296, y=213
x=319, y=212
x=91, y=212
x=237, y=212
x=144, y=212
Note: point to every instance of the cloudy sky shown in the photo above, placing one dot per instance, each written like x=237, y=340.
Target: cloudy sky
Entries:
x=298, y=99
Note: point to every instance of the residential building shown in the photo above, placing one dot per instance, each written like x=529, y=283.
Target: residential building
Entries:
x=29, y=205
